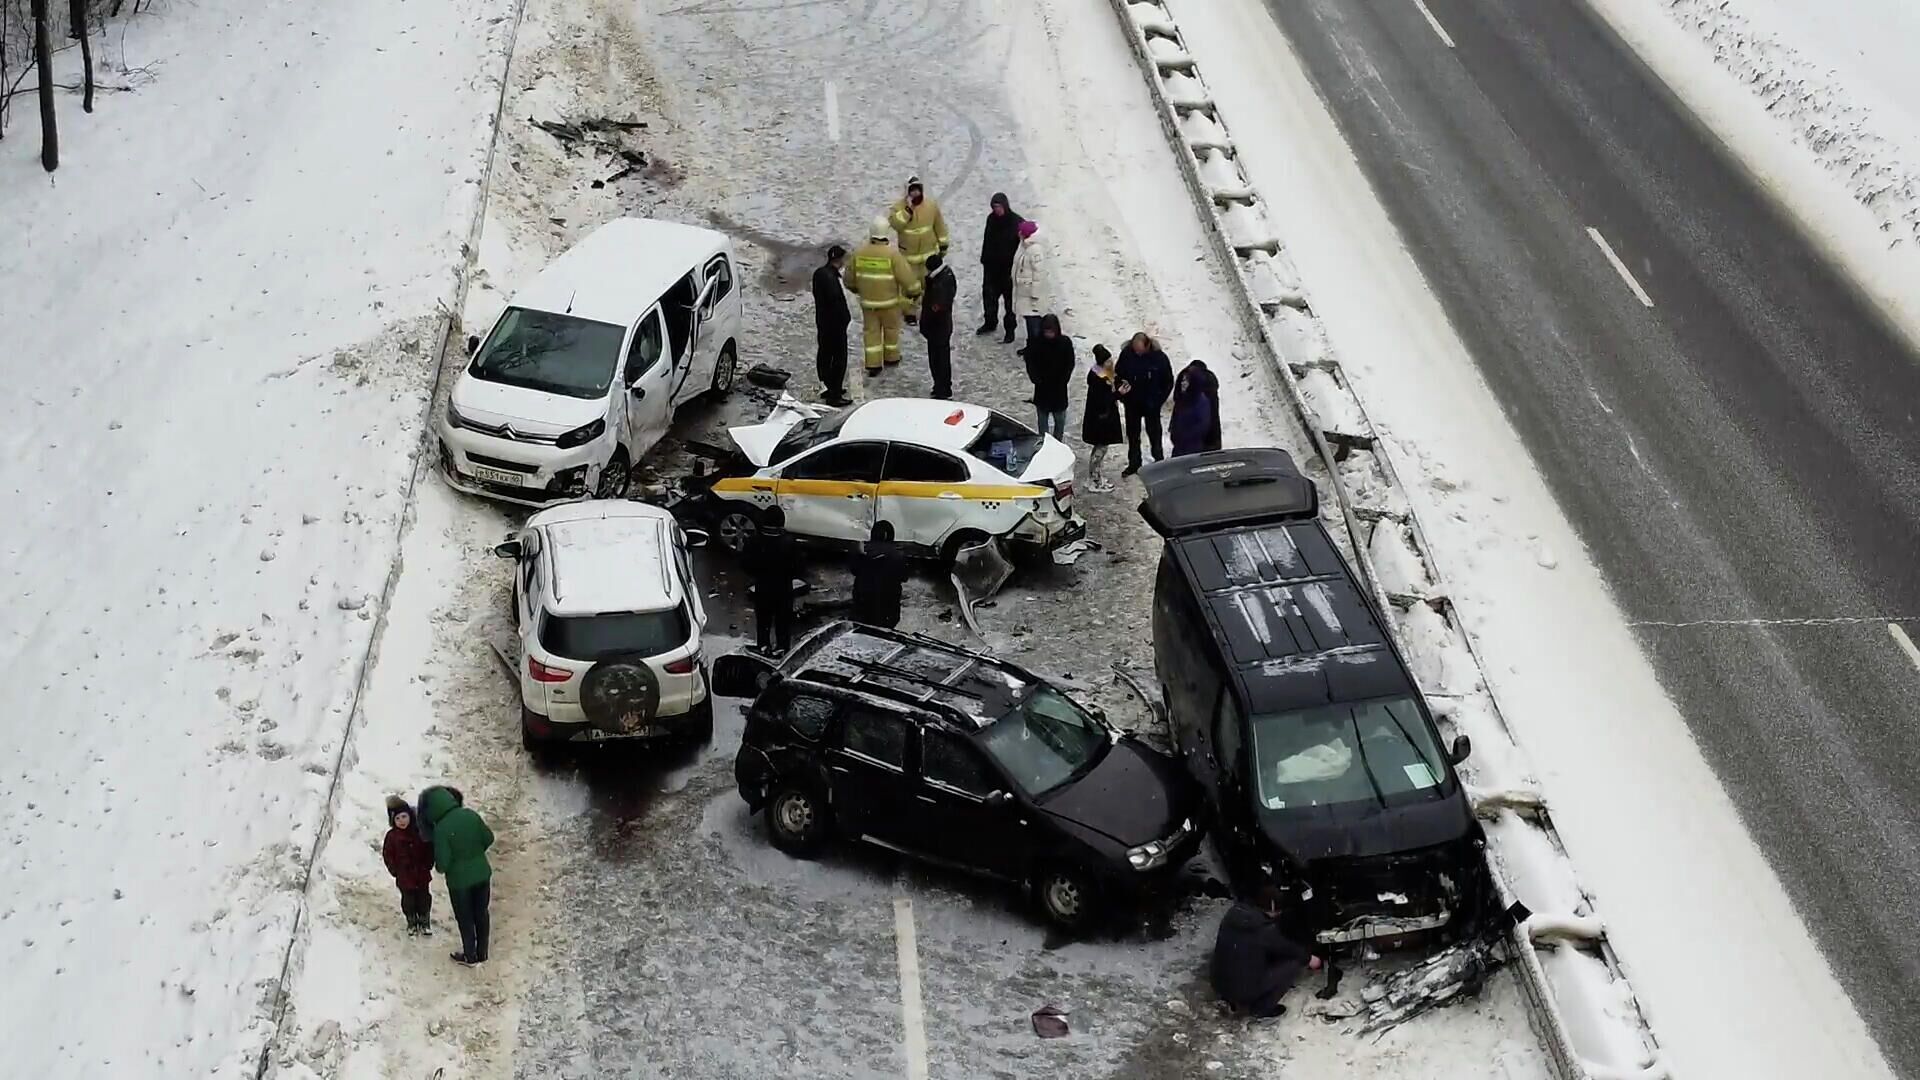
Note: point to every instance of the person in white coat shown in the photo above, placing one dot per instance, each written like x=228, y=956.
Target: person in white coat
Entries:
x=1029, y=298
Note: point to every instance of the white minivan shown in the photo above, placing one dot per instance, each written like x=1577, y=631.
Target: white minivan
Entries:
x=582, y=372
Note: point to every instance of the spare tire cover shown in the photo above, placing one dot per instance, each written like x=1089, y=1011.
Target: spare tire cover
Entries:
x=620, y=695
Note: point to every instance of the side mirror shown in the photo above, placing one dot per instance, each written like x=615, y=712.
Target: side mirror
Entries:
x=1462, y=746
x=510, y=549
x=697, y=538
x=999, y=798
x=738, y=675
x=473, y=344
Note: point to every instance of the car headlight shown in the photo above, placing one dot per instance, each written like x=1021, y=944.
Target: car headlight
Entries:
x=586, y=433
x=1147, y=855
x=454, y=419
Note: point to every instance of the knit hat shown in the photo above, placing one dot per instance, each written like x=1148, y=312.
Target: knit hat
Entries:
x=935, y=262
x=1101, y=355
x=835, y=252
x=1028, y=228
x=397, y=806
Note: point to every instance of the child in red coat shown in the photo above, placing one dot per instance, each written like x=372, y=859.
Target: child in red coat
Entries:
x=409, y=859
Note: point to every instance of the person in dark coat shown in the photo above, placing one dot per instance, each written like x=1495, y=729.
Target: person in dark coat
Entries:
x=936, y=323
x=1255, y=962
x=460, y=839
x=830, y=318
x=1100, y=424
x=409, y=859
x=878, y=577
x=997, y=249
x=1195, y=425
x=771, y=562
x=1050, y=369
x=1143, y=377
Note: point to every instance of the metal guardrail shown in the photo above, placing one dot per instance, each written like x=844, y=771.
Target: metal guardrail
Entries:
x=1544, y=1013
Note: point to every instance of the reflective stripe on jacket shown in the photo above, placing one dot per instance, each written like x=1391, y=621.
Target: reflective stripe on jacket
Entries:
x=880, y=276
x=922, y=229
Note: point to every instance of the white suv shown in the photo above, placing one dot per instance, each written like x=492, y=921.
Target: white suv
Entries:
x=610, y=621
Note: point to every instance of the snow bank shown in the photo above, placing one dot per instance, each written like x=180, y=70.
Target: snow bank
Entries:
x=215, y=407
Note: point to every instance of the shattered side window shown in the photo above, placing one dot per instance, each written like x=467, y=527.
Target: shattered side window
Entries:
x=808, y=716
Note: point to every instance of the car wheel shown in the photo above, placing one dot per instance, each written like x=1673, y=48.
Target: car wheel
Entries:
x=535, y=745
x=797, y=816
x=734, y=528
x=950, y=550
x=615, y=475
x=700, y=728
x=724, y=370
x=1066, y=897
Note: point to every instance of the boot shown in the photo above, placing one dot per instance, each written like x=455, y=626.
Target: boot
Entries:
x=985, y=329
x=1007, y=339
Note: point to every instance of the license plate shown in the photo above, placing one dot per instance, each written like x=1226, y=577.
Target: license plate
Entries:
x=499, y=476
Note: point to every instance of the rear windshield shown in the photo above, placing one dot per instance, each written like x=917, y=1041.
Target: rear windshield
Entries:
x=558, y=354
x=807, y=434
x=1379, y=751
x=1006, y=444
x=596, y=637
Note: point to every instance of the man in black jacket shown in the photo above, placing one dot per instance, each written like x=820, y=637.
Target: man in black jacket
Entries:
x=830, y=318
x=1143, y=377
x=936, y=323
x=878, y=576
x=1255, y=963
x=1050, y=369
x=771, y=563
x=997, y=248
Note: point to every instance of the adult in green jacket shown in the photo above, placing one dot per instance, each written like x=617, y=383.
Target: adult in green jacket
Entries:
x=460, y=840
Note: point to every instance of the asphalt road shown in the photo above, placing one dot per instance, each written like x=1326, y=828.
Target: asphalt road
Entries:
x=1728, y=425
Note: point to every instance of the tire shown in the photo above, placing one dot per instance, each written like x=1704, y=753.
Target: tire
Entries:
x=533, y=744
x=615, y=477
x=700, y=729
x=734, y=527
x=798, y=818
x=1067, y=897
x=725, y=369
x=950, y=550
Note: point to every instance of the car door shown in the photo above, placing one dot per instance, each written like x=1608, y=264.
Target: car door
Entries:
x=1229, y=784
x=963, y=813
x=683, y=562
x=830, y=492
x=868, y=763
x=647, y=376
x=701, y=350
x=719, y=317
x=922, y=493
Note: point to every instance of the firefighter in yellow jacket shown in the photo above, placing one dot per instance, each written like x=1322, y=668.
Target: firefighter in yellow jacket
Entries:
x=922, y=229
x=886, y=283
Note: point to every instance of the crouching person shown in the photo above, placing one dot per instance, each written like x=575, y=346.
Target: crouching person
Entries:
x=1255, y=962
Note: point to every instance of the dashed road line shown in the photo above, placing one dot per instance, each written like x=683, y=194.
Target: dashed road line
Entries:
x=1620, y=267
x=1435, y=23
x=913, y=1019
x=1901, y=639
x=833, y=111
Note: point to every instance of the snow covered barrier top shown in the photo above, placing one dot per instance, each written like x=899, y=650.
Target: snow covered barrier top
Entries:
x=1581, y=1007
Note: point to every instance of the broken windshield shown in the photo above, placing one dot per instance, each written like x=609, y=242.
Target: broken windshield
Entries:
x=1368, y=751
x=810, y=432
x=1006, y=444
x=1046, y=741
x=557, y=354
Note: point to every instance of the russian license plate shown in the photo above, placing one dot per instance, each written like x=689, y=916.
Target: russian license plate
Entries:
x=499, y=476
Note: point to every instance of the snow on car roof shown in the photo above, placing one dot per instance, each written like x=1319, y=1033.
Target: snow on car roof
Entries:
x=948, y=425
x=607, y=558
x=618, y=269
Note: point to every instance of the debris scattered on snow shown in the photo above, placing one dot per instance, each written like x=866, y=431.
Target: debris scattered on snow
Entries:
x=1068, y=554
x=1050, y=1022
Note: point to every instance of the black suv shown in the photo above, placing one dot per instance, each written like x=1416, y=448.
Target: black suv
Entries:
x=1292, y=706
x=959, y=758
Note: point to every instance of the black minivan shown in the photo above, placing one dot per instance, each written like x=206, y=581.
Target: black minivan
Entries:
x=959, y=758
x=1291, y=705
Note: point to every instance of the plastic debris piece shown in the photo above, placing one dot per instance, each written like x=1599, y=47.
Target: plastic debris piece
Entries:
x=1050, y=1022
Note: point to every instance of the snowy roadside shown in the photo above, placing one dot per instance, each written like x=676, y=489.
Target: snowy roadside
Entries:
x=1664, y=853
x=232, y=285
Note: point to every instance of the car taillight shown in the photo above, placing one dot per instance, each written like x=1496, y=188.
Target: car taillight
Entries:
x=542, y=673
x=684, y=665
x=1063, y=490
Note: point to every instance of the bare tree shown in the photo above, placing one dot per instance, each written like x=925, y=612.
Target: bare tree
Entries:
x=43, y=59
x=78, y=18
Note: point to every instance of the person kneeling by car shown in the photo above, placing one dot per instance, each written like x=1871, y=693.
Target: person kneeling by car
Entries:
x=1255, y=961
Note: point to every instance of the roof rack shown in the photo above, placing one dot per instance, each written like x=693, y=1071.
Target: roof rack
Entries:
x=948, y=683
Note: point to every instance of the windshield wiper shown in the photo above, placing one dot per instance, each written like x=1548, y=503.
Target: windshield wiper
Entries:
x=1407, y=735
x=1360, y=742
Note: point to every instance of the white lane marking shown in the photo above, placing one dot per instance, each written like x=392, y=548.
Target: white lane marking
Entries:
x=912, y=1018
x=1619, y=267
x=1901, y=639
x=833, y=112
x=1435, y=23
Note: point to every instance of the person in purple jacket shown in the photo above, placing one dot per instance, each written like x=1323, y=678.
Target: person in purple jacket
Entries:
x=1196, y=411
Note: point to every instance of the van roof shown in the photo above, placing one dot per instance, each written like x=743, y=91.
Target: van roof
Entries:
x=608, y=556
x=618, y=269
x=1289, y=617
x=1225, y=487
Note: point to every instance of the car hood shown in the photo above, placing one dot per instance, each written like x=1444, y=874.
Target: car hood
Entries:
x=1359, y=830
x=1054, y=462
x=1134, y=795
x=535, y=412
x=758, y=440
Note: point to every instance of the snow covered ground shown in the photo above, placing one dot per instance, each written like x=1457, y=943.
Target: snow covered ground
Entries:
x=221, y=319
x=1664, y=857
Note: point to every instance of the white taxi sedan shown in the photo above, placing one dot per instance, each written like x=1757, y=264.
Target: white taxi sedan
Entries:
x=943, y=474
